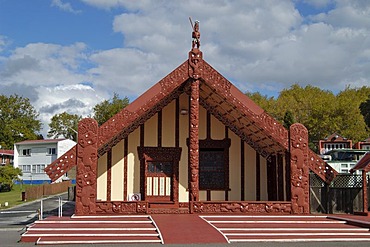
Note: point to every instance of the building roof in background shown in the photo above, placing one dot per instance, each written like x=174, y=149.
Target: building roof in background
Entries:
x=6, y=152
x=41, y=141
x=363, y=164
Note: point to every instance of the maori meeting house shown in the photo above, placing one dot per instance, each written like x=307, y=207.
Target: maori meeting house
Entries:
x=192, y=143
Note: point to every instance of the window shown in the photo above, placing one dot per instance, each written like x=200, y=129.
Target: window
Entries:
x=26, y=152
x=212, y=169
x=52, y=151
x=38, y=168
x=213, y=164
x=344, y=165
x=26, y=168
x=160, y=167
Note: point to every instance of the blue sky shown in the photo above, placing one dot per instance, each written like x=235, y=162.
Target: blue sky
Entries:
x=69, y=55
x=25, y=22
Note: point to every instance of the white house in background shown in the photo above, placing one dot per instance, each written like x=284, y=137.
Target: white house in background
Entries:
x=32, y=156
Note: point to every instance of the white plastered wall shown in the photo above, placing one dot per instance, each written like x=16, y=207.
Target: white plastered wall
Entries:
x=117, y=172
x=183, y=165
x=168, y=140
x=151, y=132
x=133, y=167
x=168, y=124
x=101, y=190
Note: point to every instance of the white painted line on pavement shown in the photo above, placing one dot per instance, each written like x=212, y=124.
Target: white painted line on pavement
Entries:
x=16, y=212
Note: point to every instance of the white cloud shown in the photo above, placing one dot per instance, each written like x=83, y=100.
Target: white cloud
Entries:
x=125, y=72
x=64, y=6
x=351, y=14
x=257, y=45
x=74, y=99
x=128, y=4
x=44, y=64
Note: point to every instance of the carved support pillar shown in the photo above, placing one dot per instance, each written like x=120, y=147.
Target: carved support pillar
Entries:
x=195, y=72
x=299, y=171
x=364, y=192
x=280, y=173
x=87, y=162
x=194, y=142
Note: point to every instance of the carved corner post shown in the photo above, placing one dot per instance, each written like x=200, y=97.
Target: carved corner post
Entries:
x=195, y=71
x=87, y=163
x=364, y=192
x=299, y=171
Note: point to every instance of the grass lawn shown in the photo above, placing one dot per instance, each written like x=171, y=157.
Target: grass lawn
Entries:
x=13, y=197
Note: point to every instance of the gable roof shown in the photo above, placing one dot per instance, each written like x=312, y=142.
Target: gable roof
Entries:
x=363, y=164
x=229, y=105
x=335, y=138
x=217, y=95
x=7, y=152
x=40, y=141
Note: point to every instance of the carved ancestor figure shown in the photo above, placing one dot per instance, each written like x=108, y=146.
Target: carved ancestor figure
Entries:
x=195, y=57
x=195, y=34
x=299, y=169
x=86, y=167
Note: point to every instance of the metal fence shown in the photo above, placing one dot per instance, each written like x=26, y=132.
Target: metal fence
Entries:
x=343, y=195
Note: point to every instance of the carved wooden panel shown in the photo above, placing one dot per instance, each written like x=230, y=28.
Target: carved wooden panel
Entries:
x=109, y=175
x=235, y=207
x=126, y=121
x=365, y=200
x=320, y=167
x=116, y=207
x=194, y=142
x=87, y=159
x=222, y=86
x=62, y=165
x=195, y=64
x=299, y=170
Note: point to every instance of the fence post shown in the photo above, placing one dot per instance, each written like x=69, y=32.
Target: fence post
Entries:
x=41, y=209
x=60, y=207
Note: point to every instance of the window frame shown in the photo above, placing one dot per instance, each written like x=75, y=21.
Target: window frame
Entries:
x=26, y=170
x=26, y=152
x=209, y=144
x=51, y=151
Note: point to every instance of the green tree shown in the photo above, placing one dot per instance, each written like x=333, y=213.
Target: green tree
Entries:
x=288, y=119
x=310, y=106
x=65, y=125
x=108, y=108
x=18, y=120
x=351, y=123
x=8, y=174
x=265, y=102
x=365, y=111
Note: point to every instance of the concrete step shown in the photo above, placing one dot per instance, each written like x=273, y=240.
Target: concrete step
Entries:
x=286, y=228
x=95, y=240
x=67, y=230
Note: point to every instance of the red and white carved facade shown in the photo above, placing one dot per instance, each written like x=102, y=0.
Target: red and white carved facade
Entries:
x=193, y=143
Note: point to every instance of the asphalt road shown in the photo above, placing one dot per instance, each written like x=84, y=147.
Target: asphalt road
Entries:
x=13, y=223
x=22, y=215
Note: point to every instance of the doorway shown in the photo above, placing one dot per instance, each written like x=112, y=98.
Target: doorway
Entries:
x=159, y=181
